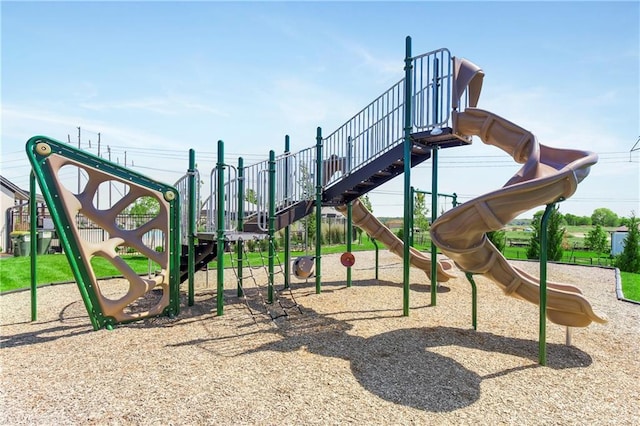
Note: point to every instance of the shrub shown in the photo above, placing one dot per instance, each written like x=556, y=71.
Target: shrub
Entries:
x=629, y=259
x=497, y=238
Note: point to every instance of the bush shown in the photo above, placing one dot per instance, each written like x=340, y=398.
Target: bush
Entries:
x=629, y=259
x=555, y=236
x=497, y=238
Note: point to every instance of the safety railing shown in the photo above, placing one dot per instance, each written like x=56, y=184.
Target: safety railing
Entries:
x=182, y=185
x=369, y=134
x=379, y=126
x=432, y=83
x=230, y=191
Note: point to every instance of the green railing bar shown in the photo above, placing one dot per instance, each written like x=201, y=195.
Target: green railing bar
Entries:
x=318, y=208
x=287, y=229
x=34, y=244
x=220, y=231
x=434, y=190
x=175, y=243
x=240, y=242
x=408, y=66
x=542, y=340
x=191, y=187
x=434, y=216
x=272, y=222
x=349, y=238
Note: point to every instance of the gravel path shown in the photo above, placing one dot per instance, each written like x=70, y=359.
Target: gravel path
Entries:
x=345, y=356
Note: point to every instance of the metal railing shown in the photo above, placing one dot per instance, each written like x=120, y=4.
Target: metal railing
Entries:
x=182, y=185
x=91, y=232
x=369, y=134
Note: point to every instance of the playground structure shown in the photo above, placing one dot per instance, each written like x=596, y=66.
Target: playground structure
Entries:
x=433, y=107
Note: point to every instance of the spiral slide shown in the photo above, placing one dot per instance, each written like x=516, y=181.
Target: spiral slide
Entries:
x=364, y=219
x=547, y=175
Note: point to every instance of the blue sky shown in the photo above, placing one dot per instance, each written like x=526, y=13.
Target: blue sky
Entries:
x=157, y=78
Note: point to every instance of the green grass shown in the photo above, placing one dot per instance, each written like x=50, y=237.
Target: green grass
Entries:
x=630, y=285
x=15, y=272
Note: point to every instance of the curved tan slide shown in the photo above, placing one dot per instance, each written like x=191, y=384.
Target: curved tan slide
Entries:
x=364, y=219
x=547, y=175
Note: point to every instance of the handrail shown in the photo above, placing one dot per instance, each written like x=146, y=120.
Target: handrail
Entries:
x=366, y=136
x=182, y=185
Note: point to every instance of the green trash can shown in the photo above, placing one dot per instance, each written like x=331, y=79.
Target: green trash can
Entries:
x=21, y=243
x=44, y=240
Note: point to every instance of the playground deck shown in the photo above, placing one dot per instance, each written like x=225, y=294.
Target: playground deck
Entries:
x=347, y=356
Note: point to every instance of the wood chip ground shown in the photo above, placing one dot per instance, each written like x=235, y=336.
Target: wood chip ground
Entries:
x=345, y=356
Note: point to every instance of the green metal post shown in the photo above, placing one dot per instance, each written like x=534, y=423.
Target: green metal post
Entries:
x=542, y=344
x=220, y=234
x=191, y=186
x=408, y=66
x=287, y=229
x=349, y=238
x=454, y=202
x=474, y=300
x=375, y=244
x=272, y=221
x=434, y=189
x=434, y=215
x=240, y=242
x=318, y=208
x=34, y=244
x=412, y=208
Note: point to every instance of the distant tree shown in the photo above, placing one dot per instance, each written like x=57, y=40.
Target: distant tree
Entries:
x=604, y=217
x=555, y=236
x=308, y=191
x=597, y=240
x=629, y=259
x=584, y=221
x=367, y=203
x=572, y=220
x=145, y=205
x=420, y=212
x=497, y=238
x=251, y=196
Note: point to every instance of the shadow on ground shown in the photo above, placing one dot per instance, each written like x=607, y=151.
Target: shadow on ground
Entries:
x=401, y=366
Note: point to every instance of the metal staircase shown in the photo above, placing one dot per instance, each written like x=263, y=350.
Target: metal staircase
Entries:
x=362, y=154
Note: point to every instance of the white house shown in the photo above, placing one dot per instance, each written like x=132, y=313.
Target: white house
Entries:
x=13, y=199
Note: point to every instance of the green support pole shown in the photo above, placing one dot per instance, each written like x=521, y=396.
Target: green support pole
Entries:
x=434, y=210
x=542, y=346
x=408, y=66
x=318, y=208
x=375, y=244
x=412, y=208
x=34, y=244
x=287, y=229
x=454, y=202
x=272, y=221
x=191, y=186
x=434, y=189
x=349, y=238
x=240, y=242
x=474, y=300
x=220, y=233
